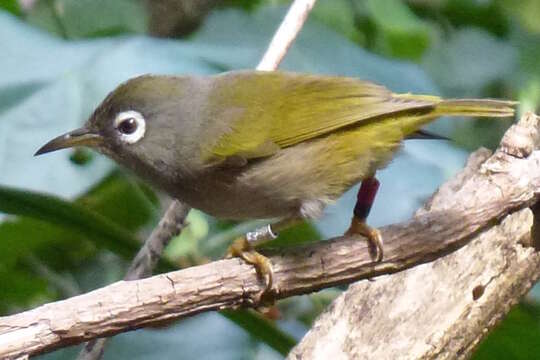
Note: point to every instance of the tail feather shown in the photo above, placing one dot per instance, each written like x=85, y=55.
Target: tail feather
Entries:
x=474, y=107
x=465, y=107
x=437, y=107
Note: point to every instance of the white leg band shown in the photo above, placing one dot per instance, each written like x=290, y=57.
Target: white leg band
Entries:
x=260, y=235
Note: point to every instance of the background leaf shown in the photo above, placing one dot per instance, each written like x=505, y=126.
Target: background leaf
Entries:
x=515, y=338
x=402, y=34
x=469, y=61
x=74, y=19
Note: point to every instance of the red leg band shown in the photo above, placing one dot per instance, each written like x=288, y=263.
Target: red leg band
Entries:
x=366, y=197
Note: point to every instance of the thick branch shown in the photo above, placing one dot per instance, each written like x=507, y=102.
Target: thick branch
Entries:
x=440, y=310
x=502, y=185
x=443, y=309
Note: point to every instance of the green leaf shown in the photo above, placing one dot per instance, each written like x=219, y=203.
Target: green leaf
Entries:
x=81, y=156
x=21, y=288
x=74, y=19
x=338, y=15
x=526, y=13
x=515, y=338
x=124, y=200
x=66, y=245
x=187, y=243
x=244, y=4
x=62, y=247
x=296, y=235
x=403, y=35
x=102, y=231
x=484, y=15
x=11, y=6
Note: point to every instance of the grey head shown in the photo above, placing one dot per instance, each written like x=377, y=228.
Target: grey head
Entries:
x=146, y=124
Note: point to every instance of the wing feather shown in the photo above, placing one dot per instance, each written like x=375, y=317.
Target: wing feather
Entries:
x=273, y=110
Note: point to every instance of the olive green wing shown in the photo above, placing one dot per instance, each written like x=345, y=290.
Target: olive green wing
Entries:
x=267, y=111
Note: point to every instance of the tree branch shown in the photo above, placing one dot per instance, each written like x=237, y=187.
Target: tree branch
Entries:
x=468, y=208
x=443, y=309
x=285, y=34
x=170, y=225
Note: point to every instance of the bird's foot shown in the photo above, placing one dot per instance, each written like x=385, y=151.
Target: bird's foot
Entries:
x=359, y=226
x=244, y=249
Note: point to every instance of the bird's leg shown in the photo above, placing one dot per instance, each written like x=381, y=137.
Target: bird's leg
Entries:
x=364, y=202
x=244, y=247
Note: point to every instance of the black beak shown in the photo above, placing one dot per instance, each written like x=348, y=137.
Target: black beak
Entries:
x=78, y=137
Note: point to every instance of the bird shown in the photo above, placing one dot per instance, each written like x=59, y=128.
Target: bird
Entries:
x=250, y=144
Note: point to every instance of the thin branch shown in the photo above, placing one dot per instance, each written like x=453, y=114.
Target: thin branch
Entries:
x=496, y=187
x=170, y=225
x=286, y=34
x=173, y=219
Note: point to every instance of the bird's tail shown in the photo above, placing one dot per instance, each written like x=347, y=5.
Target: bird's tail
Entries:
x=437, y=107
x=475, y=107
x=466, y=107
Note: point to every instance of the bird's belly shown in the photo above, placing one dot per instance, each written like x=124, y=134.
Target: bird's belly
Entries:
x=320, y=170
x=317, y=171
x=234, y=200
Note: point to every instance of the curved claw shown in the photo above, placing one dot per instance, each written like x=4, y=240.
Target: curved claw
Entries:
x=359, y=226
x=241, y=248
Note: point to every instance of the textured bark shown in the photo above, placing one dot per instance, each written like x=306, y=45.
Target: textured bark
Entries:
x=387, y=317
x=443, y=309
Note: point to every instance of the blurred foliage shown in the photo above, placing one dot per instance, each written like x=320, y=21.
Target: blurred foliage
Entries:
x=11, y=6
x=61, y=237
x=515, y=338
x=63, y=56
x=74, y=19
x=402, y=34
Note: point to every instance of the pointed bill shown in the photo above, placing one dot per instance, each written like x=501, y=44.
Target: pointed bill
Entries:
x=78, y=137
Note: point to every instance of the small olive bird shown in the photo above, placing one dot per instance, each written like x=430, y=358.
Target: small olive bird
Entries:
x=263, y=145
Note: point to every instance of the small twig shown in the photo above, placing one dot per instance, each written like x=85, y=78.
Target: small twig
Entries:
x=66, y=286
x=170, y=225
x=285, y=34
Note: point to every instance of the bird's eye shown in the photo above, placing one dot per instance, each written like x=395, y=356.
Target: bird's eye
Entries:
x=130, y=126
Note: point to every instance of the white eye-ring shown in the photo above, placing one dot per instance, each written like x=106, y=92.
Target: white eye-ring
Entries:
x=130, y=125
